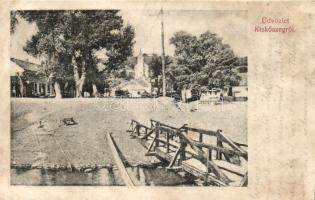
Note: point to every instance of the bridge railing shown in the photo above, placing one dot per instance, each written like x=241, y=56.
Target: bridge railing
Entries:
x=217, y=141
x=136, y=128
x=188, y=142
x=179, y=139
x=224, y=145
x=203, y=139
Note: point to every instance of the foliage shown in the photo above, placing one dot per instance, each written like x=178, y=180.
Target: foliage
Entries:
x=155, y=64
x=203, y=60
x=63, y=34
x=14, y=21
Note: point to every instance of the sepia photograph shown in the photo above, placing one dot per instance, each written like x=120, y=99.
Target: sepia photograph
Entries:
x=129, y=98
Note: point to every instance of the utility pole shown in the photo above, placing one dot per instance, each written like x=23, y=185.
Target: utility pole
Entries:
x=163, y=55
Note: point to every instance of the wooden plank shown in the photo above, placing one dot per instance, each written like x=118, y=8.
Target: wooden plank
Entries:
x=157, y=135
x=174, y=158
x=144, y=126
x=235, y=169
x=220, y=145
x=182, y=151
x=205, y=132
x=200, y=137
x=214, y=168
x=230, y=142
x=162, y=154
x=210, y=154
x=231, y=171
x=137, y=129
x=120, y=165
x=196, y=146
x=151, y=145
x=138, y=123
x=241, y=144
x=217, y=171
x=244, y=181
x=186, y=166
x=148, y=134
x=166, y=129
x=220, y=149
x=165, y=142
x=162, y=124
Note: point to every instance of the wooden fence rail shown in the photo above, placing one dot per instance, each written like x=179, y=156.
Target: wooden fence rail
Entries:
x=177, y=146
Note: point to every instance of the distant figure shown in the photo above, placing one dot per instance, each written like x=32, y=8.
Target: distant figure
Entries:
x=221, y=96
x=13, y=91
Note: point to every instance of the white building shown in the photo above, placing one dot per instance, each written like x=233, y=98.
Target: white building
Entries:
x=141, y=69
x=140, y=84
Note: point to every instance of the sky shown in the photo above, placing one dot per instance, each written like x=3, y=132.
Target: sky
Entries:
x=229, y=25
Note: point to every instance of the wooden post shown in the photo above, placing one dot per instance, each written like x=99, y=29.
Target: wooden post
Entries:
x=210, y=154
x=132, y=127
x=138, y=129
x=182, y=150
x=219, y=144
x=167, y=142
x=200, y=137
x=207, y=165
x=157, y=133
x=200, y=140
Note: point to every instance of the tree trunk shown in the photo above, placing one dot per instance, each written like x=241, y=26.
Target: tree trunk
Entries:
x=95, y=91
x=57, y=90
x=21, y=86
x=76, y=78
x=79, y=82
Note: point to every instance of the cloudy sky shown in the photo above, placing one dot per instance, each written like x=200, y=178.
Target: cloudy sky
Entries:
x=230, y=25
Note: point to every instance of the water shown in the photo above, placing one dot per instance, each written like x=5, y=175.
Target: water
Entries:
x=102, y=177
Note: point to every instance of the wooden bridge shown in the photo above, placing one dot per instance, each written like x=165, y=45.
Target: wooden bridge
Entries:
x=208, y=155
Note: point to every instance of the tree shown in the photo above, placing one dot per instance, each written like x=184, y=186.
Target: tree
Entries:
x=155, y=64
x=68, y=40
x=14, y=21
x=203, y=60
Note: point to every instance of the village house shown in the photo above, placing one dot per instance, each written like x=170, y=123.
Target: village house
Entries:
x=28, y=81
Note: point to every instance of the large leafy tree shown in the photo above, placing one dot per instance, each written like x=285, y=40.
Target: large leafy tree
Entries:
x=69, y=39
x=155, y=64
x=203, y=60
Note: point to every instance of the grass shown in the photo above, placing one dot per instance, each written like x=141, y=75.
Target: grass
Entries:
x=85, y=144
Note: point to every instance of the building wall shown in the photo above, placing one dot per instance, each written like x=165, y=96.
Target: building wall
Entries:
x=141, y=69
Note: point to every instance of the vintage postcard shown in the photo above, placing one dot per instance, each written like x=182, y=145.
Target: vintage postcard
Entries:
x=162, y=100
